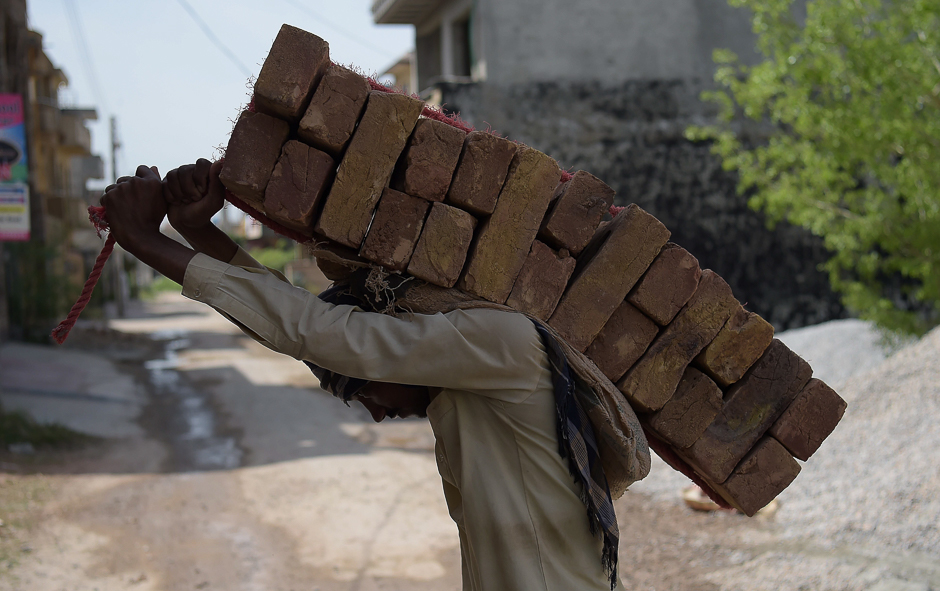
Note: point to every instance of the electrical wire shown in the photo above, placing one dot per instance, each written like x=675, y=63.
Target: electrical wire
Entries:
x=212, y=37
x=78, y=32
x=352, y=37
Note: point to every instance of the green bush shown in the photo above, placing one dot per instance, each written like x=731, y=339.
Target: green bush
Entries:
x=852, y=96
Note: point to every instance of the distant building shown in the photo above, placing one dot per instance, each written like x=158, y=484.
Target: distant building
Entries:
x=609, y=86
x=35, y=276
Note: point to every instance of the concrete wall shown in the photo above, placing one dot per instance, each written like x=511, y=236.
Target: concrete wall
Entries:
x=609, y=86
x=615, y=40
x=631, y=136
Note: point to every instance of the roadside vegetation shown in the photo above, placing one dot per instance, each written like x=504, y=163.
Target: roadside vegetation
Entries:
x=849, y=98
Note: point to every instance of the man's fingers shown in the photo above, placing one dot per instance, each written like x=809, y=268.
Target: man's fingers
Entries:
x=123, y=179
x=188, y=184
x=216, y=188
x=148, y=172
x=173, y=185
x=201, y=175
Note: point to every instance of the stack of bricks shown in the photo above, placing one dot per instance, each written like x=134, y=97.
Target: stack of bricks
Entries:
x=326, y=155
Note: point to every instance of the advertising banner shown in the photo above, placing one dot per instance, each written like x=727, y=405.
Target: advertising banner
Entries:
x=14, y=191
x=14, y=212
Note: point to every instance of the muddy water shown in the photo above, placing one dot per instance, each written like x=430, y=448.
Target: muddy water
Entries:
x=184, y=418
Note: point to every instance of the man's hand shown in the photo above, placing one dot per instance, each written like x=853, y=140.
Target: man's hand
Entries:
x=135, y=208
x=193, y=194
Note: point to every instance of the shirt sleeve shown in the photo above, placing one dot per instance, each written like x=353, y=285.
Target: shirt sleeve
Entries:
x=481, y=350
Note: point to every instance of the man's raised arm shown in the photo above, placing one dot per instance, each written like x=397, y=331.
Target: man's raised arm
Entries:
x=194, y=194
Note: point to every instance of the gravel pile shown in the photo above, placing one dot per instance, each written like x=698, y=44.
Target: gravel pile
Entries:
x=876, y=480
x=864, y=514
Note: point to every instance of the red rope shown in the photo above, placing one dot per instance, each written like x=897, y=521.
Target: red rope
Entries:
x=97, y=216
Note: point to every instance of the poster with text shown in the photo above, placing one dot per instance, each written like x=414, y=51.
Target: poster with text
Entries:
x=14, y=212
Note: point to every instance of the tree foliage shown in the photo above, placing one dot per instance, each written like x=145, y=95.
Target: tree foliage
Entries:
x=851, y=96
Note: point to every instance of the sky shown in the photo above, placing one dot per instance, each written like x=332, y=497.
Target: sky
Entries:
x=174, y=81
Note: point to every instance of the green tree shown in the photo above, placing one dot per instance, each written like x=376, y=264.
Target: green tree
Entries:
x=851, y=96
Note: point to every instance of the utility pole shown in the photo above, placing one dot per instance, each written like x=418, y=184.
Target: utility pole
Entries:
x=120, y=281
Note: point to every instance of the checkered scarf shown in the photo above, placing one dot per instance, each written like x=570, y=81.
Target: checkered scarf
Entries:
x=576, y=440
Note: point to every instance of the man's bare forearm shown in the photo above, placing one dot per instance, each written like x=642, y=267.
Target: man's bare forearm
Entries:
x=164, y=254
x=210, y=240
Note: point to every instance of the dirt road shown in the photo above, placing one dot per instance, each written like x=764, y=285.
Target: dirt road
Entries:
x=221, y=466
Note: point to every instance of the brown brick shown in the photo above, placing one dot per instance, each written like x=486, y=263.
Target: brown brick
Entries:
x=367, y=166
x=427, y=166
x=689, y=412
x=481, y=172
x=395, y=229
x=740, y=343
x=291, y=71
x=297, y=186
x=751, y=406
x=504, y=239
x=610, y=265
x=622, y=341
x=809, y=419
x=576, y=210
x=251, y=154
x=442, y=248
x=334, y=110
x=759, y=478
x=668, y=284
x=541, y=282
x=654, y=378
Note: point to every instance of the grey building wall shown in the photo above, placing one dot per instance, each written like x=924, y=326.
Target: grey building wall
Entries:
x=539, y=40
x=609, y=86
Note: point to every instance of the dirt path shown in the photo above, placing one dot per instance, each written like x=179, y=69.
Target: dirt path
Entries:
x=224, y=469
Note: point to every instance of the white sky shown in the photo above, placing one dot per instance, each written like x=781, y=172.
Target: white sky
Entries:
x=173, y=91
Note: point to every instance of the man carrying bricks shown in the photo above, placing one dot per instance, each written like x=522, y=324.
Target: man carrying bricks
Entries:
x=518, y=457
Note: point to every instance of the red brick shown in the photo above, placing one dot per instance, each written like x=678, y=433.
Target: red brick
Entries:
x=395, y=229
x=481, y=171
x=689, y=412
x=740, y=343
x=334, y=110
x=576, y=210
x=809, y=419
x=654, y=378
x=442, y=248
x=751, y=406
x=367, y=166
x=766, y=471
x=668, y=284
x=505, y=238
x=427, y=166
x=252, y=152
x=622, y=341
x=291, y=71
x=541, y=282
x=297, y=186
x=610, y=265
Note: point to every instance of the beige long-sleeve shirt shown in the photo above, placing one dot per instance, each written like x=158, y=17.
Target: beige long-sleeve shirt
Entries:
x=522, y=524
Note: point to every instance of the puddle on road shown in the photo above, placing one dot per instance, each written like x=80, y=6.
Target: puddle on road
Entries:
x=189, y=423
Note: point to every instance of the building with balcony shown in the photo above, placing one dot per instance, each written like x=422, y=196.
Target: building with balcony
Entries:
x=610, y=86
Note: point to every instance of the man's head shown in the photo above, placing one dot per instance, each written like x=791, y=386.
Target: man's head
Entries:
x=393, y=400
